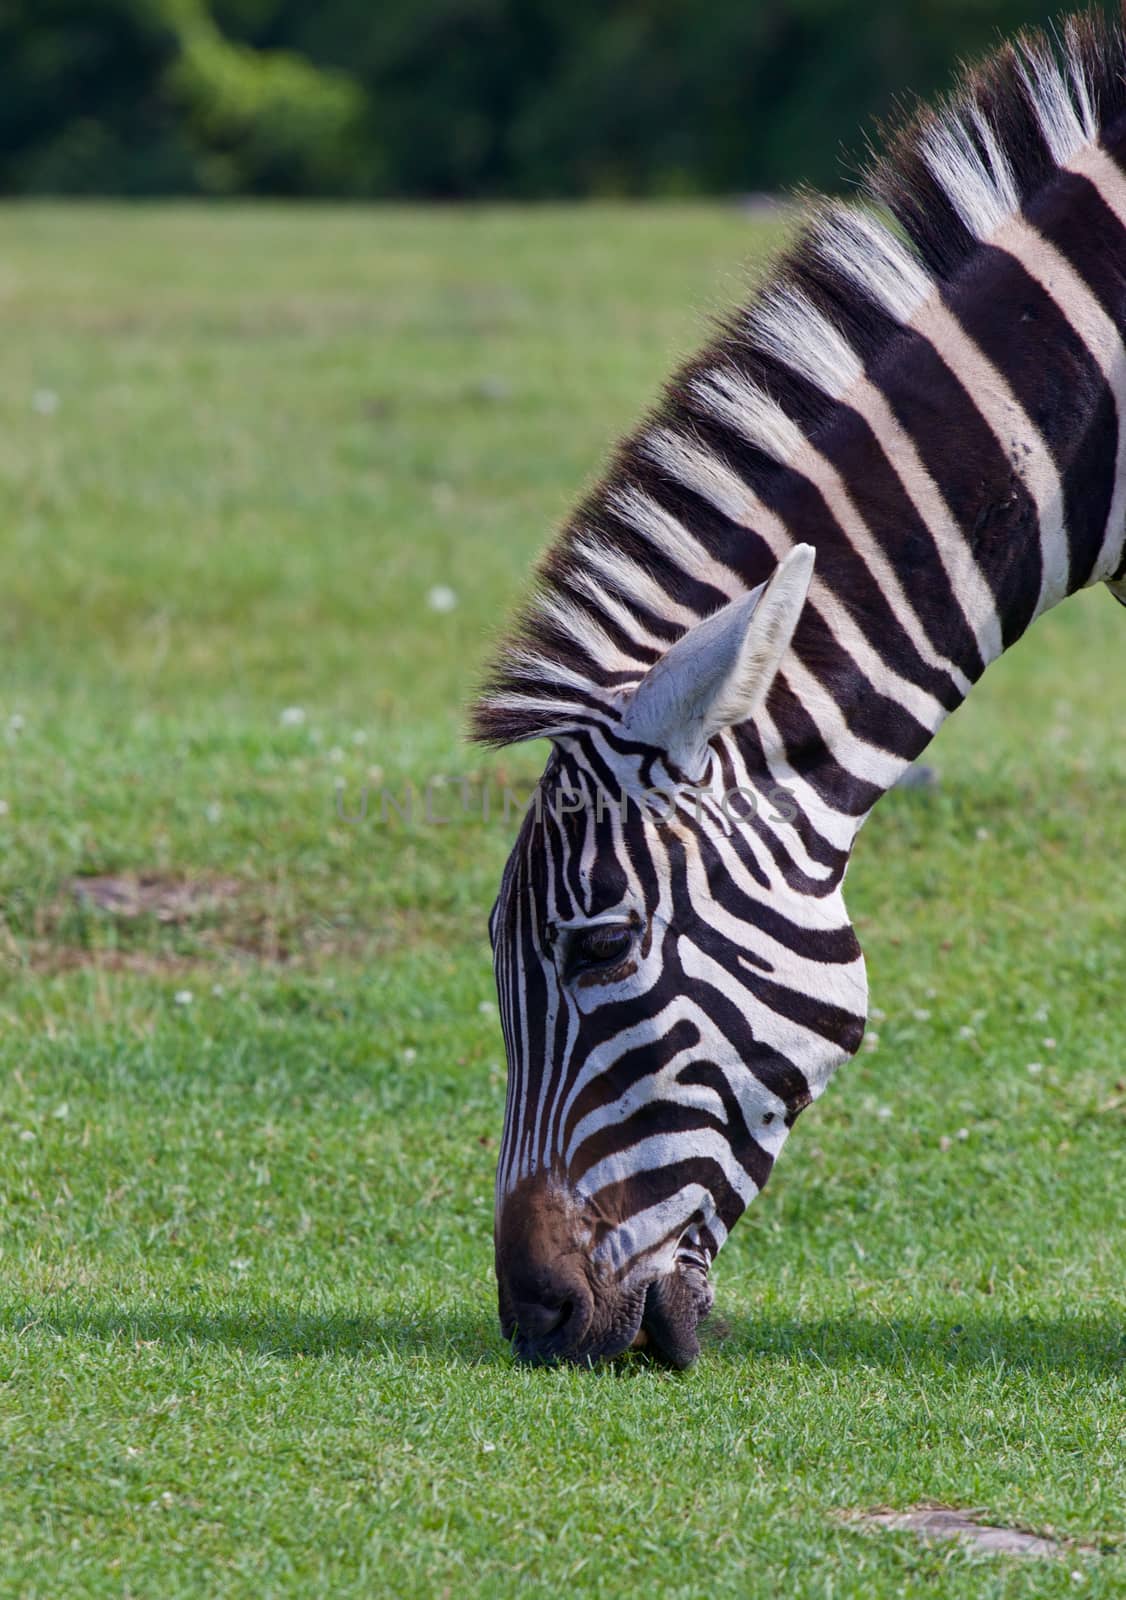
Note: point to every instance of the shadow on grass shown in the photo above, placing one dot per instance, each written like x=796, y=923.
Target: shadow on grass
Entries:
x=286, y=1332
x=1093, y=1344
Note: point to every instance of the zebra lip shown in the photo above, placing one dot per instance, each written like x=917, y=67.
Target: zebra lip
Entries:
x=661, y=1320
x=563, y=1338
x=675, y=1305
x=580, y=1339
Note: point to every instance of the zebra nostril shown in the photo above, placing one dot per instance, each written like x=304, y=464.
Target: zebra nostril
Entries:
x=536, y=1321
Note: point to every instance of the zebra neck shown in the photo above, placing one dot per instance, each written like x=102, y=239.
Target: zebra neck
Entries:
x=971, y=480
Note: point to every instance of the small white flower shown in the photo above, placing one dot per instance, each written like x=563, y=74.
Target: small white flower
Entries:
x=871, y=1041
x=963, y=1133
x=1049, y=1044
x=183, y=997
x=1040, y=1014
x=45, y=402
x=60, y=1113
x=982, y=834
x=213, y=811
x=4, y=808
x=409, y=1055
x=487, y=1447
x=492, y=387
x=1035, y=1067
x=965, y=1032
x=336, y=754
x=240, y=1264
x=441, y=598
x=27, y=1135
x=217, y=990
x=292, y=717
x=15, y=723
x=921, y=1014
x=877, y=1015
x=945, y=1142
x=487, y=1008
x=884, y=1112
x=360, y=736
x=375, y=774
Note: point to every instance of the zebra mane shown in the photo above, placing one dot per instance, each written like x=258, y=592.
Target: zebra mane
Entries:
x=668, y=535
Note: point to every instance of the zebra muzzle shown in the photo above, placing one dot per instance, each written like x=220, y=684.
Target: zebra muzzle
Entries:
x=560, y=1300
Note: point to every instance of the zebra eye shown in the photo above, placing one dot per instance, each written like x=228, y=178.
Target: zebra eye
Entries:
x=590, y=948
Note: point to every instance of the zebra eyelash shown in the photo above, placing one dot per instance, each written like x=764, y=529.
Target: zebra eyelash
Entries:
x=557, y=928
x=604, y=919
x=561, y=939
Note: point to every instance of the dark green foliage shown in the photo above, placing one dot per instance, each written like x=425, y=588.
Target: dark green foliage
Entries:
x=151, y=97
x=466, y=98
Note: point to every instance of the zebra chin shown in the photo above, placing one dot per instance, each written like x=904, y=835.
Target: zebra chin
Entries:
x=558, y=1304
x=661, y=1319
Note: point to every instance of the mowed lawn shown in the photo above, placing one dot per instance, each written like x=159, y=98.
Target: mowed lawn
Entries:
x=251, y=1079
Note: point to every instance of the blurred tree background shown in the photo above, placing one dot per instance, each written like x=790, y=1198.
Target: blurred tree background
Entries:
x=460, y=99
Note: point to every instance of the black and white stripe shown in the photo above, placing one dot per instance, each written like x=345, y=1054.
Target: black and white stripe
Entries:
x=903, y=451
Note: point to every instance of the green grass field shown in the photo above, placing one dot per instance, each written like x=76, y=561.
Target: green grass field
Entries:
x=248, y=1122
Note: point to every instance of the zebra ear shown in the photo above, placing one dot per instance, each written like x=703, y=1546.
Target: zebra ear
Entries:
x=720, y=671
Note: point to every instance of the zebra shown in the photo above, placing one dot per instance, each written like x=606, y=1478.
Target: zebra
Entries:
x=903, y=450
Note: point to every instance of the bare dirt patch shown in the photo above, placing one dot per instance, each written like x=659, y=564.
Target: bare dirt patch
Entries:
x=152, y=894
x=946, y=1522
x=169, y=923
x=50, y=959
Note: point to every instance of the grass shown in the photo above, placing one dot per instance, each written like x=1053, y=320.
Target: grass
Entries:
x=247, y=1330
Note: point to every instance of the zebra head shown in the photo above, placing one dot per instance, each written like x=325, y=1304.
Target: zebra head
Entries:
x=672, y=993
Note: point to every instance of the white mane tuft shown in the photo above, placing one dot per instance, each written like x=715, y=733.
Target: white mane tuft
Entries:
x=1063, y=105
x=787, y=325
x=856, y=243
x=726, y=394
x=961, y=153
